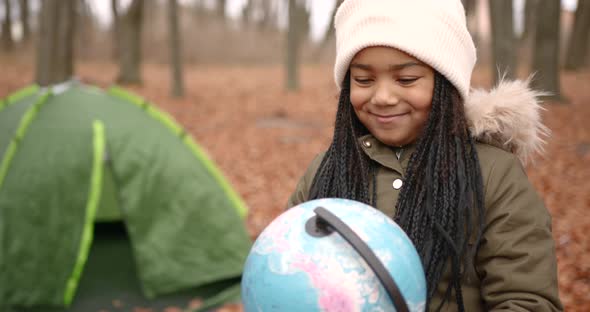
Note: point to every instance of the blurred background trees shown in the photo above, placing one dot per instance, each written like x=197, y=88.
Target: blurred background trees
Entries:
x=175, y=49
x=514, y=38
x=546, y=48
x=503, y=38
x=253, y=74
x=577, y=50
x=129, y=51
x=297, y=31
x=6, y=38
x=55, y=41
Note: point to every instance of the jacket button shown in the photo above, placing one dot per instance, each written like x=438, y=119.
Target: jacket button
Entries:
x=366, y=143
x=397, y=184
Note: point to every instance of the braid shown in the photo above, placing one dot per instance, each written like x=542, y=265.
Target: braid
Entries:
x=442, y=225
x=441, y=202
x=345, y=171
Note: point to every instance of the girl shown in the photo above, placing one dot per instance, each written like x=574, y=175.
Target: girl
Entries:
x=444, y=163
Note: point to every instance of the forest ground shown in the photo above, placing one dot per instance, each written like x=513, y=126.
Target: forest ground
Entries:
x=263, y=138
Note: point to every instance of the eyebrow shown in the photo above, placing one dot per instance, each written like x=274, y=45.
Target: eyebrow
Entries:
x=391, y=67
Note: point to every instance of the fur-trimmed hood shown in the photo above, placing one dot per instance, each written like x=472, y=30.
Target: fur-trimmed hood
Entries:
x=508, y=116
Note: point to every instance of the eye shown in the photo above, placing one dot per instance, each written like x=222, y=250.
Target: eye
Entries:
x=407, y=81
x=363, y=81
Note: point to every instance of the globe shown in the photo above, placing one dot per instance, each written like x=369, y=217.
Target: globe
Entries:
x=293, y=268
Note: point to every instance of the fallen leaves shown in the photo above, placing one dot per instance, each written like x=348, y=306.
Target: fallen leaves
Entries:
x=263, y=138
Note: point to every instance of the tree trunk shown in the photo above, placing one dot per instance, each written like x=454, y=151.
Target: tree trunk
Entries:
x=175, y=50
x=530, y=21
x=469, y=6
x=7, y=41
x=85, y=29
x=303, y=20
x=293, y=45
x=116, y=29
x=578, y=44
x=130, y=44
x=503, y=39
x=268, y=15
x=247, y=12
x=471, y=17
x=221, y=4
x=329, y=33
x=55, y=50
x=546, y=49
x=24, y=19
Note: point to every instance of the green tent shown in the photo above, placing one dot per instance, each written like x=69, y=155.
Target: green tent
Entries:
x=73, y=155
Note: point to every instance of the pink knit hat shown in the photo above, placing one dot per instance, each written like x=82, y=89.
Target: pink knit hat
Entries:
x=433, y=31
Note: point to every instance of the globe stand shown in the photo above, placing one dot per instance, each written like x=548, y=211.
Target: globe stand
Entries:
x=325, y=223
x=317, y=227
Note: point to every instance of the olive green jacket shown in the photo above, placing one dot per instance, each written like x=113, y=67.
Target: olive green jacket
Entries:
x=515, y=266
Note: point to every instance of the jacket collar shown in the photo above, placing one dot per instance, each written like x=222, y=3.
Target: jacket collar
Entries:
x=509, y=117
x=385, y=154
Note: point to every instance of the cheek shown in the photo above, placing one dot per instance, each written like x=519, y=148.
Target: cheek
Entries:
x=359, y=96
x=425, y=104
x=427, y=94
x=422, y=100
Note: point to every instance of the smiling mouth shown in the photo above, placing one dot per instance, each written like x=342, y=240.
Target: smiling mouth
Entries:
x=388, y=118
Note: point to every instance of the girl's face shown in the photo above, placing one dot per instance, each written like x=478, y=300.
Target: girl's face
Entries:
x=391, y=93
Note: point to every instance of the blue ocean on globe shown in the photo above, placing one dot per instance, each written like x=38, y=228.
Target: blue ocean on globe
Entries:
x=290, y=270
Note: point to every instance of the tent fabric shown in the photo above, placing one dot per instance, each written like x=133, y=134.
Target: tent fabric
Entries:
x=90, y=212
x=109, y=282
x=77, y=151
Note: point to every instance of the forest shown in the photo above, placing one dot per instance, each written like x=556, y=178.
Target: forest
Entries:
x=252, y=82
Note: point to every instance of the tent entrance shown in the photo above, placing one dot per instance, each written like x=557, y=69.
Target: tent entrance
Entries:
x=110, y=279
x=109, y=209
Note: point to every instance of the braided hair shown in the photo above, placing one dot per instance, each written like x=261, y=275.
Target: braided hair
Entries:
x=440, y=206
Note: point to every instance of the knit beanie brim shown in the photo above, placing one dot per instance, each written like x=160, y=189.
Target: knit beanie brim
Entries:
x=433, y=31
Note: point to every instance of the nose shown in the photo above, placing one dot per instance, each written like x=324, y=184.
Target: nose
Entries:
x=385, y=94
